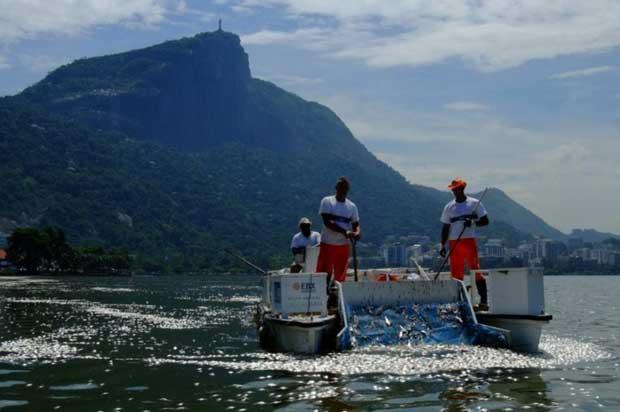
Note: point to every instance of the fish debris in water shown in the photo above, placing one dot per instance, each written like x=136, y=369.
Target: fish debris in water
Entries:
x=408, y=324
x=403, y=332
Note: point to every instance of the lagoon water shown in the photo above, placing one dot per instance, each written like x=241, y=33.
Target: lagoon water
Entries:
x=189, y=343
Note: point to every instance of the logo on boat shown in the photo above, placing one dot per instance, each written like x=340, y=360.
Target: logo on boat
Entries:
x=304, y=287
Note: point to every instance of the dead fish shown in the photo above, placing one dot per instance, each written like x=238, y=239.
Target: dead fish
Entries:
x=402, y=333
x=388, y=322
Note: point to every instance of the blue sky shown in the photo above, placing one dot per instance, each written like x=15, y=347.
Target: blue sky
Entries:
x=523, y=95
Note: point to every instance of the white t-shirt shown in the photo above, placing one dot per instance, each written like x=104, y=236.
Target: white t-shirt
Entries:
x=454, y=214
x=345, y=215
x=299, y=240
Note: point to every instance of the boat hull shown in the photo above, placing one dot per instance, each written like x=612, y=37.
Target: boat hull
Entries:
x=525, y=330
x=298, y=336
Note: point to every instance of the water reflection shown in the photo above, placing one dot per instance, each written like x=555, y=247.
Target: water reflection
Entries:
x=188, y=343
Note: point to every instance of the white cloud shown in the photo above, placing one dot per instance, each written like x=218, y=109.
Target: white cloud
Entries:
x=590, y=71
x=464, y=106
x=3, y=63
x=490, y=35
x=569, y=185
x=566, y=175
x=20, y=19
x=40, y=63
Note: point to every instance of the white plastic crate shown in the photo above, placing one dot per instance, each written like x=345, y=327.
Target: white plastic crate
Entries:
x=518, y=291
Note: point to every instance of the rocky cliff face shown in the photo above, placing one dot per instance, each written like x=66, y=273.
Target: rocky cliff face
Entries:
x=195, y=94
x=189, y=93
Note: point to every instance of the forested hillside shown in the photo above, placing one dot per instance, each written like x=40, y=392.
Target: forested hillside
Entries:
x=176, y=153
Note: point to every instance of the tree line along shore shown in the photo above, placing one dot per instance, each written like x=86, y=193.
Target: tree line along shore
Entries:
x=47, y=251
x=35, y=251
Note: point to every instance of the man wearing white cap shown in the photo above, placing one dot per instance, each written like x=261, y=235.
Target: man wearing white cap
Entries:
x=305, y=238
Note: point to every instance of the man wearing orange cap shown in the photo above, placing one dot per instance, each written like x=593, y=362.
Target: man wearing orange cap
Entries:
x=458, y=218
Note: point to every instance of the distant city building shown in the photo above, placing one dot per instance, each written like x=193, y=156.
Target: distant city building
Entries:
x=402, y=250
x=415, y=239
x=494, y=248
x=574, y=242
x=583, y=253
x=548, y=249
x=414, y=252
x=369, y=262
x=523, y=253
x=526, y=252
x=395, y=254
x=606, y=257
x=540, y=248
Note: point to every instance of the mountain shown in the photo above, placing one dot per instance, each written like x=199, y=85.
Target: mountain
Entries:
x=511, y=220
x=517, y=216
x=176, y=152
x=195, y=94
x=592, y=235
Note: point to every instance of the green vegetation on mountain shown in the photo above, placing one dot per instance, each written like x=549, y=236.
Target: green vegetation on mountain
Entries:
x=175, y=153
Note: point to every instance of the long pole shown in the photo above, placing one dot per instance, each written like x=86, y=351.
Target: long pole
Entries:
x=354, y=242
x=445, y=260
x=421, y=270
x=247, y=262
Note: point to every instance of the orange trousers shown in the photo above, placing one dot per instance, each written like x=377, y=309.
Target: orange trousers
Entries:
x=334, y=260
x=464, y=252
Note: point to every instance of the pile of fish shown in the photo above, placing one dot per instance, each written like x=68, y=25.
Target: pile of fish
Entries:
x=447, y=323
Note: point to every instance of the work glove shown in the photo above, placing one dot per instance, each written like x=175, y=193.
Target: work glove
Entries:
x=467, y=222
x=353, y=235
x=442, y=252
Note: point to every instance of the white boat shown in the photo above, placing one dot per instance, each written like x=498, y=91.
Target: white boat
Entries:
x=517, y=303
x=294, y=316
x=524, y=329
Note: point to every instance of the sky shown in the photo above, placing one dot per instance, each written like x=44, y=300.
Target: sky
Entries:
x=523, y=95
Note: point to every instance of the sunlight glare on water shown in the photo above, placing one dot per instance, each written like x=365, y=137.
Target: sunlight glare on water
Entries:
x=190, y=343
x=408, y=360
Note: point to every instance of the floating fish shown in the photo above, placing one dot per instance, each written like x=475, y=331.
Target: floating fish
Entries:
x=408, y=324
x=402, y=333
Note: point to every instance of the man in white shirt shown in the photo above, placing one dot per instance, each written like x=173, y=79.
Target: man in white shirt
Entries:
x=305, y=238
x=459, y=217
x=340, y=225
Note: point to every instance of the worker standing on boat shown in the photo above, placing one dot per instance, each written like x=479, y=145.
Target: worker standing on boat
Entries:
x=458, y=218
x=306, y=237
x=340, y=225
